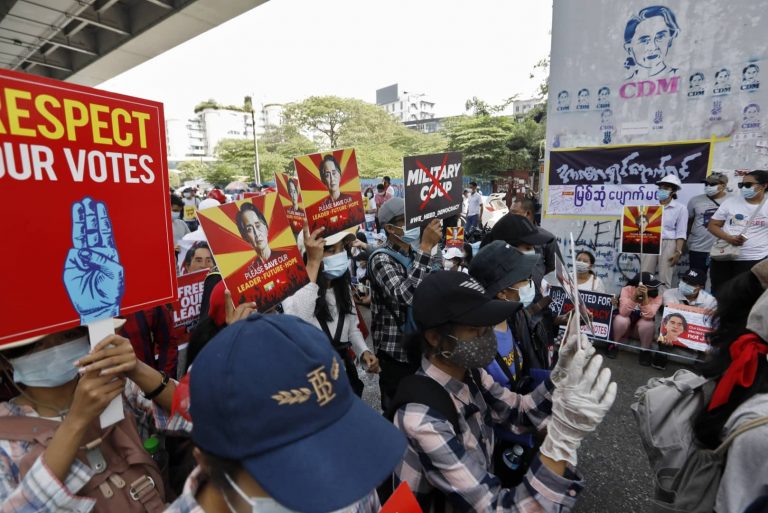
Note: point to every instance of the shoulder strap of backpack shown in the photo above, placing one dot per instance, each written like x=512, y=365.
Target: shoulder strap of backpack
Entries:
x=424, y=390
x=27, y=429
x=747, y=426
x=399, y=258
x=336, y=338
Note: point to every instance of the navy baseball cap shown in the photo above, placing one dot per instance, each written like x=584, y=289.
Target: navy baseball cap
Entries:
x=271, y=393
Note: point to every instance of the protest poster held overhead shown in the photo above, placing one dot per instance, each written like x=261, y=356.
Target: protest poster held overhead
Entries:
x=685, y=326
x=84, y=175
x=330, y=190
x=641, y=230
x=432, y=187
x=290, y=197
x=454, y=237
x=255, y=250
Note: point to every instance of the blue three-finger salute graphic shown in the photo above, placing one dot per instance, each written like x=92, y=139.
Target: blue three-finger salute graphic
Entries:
x=93, y=275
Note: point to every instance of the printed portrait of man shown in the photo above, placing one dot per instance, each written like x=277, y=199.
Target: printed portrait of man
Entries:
x=603, y=97
x=563, y=101
x=749, y=77
x=673, y=327
x=648, y=37
x=582, y=101
x=696, y=84
x=330, y=175
x=254, y=230
x=197, y=258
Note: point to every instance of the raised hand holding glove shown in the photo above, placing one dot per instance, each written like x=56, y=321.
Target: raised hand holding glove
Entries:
x=579, y=404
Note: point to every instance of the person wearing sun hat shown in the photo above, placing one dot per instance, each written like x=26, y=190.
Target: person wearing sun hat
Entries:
x=277, y=427
x=450, y=470
x=48, y=431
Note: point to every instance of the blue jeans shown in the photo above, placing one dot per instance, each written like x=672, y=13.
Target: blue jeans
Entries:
x=471, y=224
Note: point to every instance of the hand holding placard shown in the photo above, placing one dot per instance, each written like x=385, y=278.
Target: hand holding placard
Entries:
x=93, y=276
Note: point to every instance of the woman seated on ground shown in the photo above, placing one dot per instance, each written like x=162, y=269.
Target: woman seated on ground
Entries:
x=585, y=274
x=638, y=304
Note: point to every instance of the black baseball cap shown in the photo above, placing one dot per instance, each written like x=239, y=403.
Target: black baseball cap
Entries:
x=499, y=265
x=695, y=277
x=515, y=229
x=454, y=297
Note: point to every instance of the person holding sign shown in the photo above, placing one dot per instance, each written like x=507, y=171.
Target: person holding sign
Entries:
x=52, y=437
x=674, y=232
x=638, y=304
x=326, y=301
x=741, y=221
x=328, y=451
x=447, y=464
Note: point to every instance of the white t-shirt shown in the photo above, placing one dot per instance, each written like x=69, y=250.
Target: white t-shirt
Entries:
x=735, y=211
x=593, y=284
x=700, y=209
x=474, y=204
x=703, y=300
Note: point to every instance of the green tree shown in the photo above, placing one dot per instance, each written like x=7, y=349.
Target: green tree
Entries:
x=380, y=140
x=219, y=174
x=483, y=141
x=192, y=169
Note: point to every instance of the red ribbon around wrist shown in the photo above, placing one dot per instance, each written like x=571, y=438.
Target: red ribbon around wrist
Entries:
x=744, y=354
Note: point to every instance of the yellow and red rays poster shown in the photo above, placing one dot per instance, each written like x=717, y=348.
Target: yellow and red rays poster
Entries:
x=290, y=197
x=641, y=230
x=330, y=189
x=454, y=237
x=255, y=250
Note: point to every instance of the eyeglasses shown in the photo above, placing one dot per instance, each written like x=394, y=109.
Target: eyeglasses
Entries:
x=746, y=185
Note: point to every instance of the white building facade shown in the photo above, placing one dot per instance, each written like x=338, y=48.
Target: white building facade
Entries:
x=404, y=105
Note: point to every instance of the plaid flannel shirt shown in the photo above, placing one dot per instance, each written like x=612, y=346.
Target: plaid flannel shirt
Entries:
x=186, y=503
x=460, y=465
x=40, y=491
x=153, y=338
x=393, y=292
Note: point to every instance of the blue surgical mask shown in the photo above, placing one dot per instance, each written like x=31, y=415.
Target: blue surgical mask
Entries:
x=410, y=236
x=748, y=193
x=335, y=265
x=663, y=194
x=686, y=289
x=50, y=367
x=265, y=504
x=711, y=190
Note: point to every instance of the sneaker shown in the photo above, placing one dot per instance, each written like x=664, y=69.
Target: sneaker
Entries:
x=644, y=358
x=612, y=351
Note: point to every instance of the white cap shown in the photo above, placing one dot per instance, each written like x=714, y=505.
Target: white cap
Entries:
x=208, y=203
x=453, y=252
x=331, y=240
x=671, y=180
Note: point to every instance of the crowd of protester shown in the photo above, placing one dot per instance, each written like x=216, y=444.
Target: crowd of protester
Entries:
x=486, y=395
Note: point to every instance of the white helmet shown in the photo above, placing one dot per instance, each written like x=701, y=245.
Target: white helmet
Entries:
x=671, y=180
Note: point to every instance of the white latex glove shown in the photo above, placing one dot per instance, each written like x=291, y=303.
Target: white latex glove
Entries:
x=579, y=405
x=573, y=355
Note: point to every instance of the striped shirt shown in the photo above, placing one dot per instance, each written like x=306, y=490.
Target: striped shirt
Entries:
x=438, y=460
x=40, y=491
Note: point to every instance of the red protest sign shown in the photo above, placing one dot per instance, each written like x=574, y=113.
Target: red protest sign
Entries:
x=255, y=250
x=402, y=501
x=186, y=310
x=290, y=197
x=330, y=189
x=86, y=202
x=454, y=237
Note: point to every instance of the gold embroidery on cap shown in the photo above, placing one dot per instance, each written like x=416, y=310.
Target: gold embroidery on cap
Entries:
x=335, y=370
x=294, y=396
x=323, y=388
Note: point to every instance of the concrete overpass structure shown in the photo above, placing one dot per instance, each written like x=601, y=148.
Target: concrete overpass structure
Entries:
x=90, y=41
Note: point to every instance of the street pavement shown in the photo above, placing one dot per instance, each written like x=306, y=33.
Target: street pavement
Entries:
x=612, y=459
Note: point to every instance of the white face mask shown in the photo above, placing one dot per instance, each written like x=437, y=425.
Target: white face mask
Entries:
x=712, y=190
x=50, y=367
x=583, y=267
x=267, y=504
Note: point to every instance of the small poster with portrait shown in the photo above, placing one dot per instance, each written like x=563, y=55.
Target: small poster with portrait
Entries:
x=330, y=190
x=685, y=326
x=255, y=250
x=290, y=197
x=454, y=237
x=641, y=230
x=194, y=255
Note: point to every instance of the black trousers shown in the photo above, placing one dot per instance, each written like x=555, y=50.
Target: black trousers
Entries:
x=724, y=270
x=392, y=372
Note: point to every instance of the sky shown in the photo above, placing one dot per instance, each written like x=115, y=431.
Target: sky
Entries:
x=288, y=50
